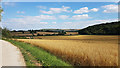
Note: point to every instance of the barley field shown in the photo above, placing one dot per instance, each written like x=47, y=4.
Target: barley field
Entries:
x=83, y=50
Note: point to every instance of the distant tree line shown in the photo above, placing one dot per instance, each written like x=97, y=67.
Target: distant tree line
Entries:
x=48, y=30
x=112, y=28
x=60, y=32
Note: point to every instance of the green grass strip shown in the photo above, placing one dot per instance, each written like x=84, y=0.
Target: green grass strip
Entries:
x=39, y=54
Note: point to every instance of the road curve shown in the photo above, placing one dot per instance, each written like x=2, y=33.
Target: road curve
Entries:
x=10, y=55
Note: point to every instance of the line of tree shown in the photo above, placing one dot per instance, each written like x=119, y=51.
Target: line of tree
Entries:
x=112, y=28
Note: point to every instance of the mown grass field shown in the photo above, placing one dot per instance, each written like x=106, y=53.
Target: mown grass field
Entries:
x=83, y=50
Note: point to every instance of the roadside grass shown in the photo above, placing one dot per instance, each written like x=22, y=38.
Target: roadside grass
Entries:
x=34, y=56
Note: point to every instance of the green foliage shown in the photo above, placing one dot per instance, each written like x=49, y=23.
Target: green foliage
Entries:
x=5, y=33
x=0, y=32
x=0, y=21
x=32, y=32
x=1, y=10
x=112, y=28
x=61, y=32
x=17, y=37
x=39, y=54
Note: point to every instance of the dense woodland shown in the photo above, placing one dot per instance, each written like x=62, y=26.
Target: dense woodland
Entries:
x=112, y=28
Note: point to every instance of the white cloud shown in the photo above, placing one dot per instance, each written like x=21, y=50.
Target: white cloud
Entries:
x=3, y=13
x=78, y=17
x=43, y=22
x=93, y=22
x=20, y=12
x=59, y=10
x=56, y=10
x=63, y=17
x=94, y=9
x=46, y=12
x=54, y=22
x=9, y=3
x=107, y=20
x=83, y=24
x=81, y=10
x=110, y=8
x=45, y=17
x=31, y=19
x=85, y=10
x=42, y=7
x=65, y=25
x=67, y=22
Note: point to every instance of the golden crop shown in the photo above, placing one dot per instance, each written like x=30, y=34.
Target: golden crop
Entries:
x=84, y=50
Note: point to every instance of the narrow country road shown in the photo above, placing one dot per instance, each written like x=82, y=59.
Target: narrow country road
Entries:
x=10, y=55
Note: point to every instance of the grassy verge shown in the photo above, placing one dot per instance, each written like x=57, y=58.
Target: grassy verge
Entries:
x=35, y=56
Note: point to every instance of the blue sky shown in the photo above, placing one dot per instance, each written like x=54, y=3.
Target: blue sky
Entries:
x=57, y=15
